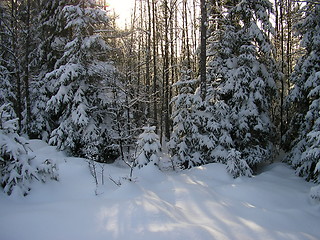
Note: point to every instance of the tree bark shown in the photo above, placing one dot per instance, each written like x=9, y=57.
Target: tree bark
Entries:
x=155, y=53
x=14, y=46
x=203, y=49
x=166, y=70
x=148, y=59
x=26, y=74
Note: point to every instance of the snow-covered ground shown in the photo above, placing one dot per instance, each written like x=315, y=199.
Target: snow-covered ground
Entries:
x=201, y=203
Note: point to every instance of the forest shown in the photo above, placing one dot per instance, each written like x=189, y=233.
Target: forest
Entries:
x=231, y=82
x=196, y=119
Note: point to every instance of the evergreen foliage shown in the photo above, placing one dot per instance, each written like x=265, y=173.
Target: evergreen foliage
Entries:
x=237, y=166
x=17, y=166
x=304, y=134
x=50, y=38
x=186, y=140
x=78, y=82
x=148, y=147
x=242, y=72
x=218, y=128
x=74, y=81
x=6, y=88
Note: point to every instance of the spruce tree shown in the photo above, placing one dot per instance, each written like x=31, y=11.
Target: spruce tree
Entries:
x=148, y=147
x=11, y=54
x=186, y=141
x=50, y=39
x=303, y=136
x=78, y=83
x=17, y=166
x=15, y=162
x=242, y=72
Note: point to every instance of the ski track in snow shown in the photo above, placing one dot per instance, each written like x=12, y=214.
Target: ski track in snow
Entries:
x=201, y=203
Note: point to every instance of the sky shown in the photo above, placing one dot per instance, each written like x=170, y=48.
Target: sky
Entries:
x=122, y=8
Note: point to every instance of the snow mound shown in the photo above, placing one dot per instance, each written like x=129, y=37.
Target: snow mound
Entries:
x=315, y=193
x=150, y=173
x=213, y=171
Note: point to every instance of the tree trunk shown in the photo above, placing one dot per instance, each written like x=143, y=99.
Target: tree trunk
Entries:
x=14, y=45
x=26, y=77
x=203, y=49
x=166, y=71
x=155, y=53
x=148, y=59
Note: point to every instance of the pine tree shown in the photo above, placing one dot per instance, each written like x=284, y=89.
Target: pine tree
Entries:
x=304, y=131
x=78, y=82
x=241, y=59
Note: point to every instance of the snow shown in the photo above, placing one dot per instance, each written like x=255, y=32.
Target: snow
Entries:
x=201, y=203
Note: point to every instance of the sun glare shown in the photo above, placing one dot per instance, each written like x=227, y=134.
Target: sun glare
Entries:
x=122, y=8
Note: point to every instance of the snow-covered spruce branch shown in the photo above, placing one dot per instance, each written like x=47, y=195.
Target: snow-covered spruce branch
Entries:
x=19, y=168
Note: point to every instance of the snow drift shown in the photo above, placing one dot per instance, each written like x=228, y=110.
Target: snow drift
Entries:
x=201, y=203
